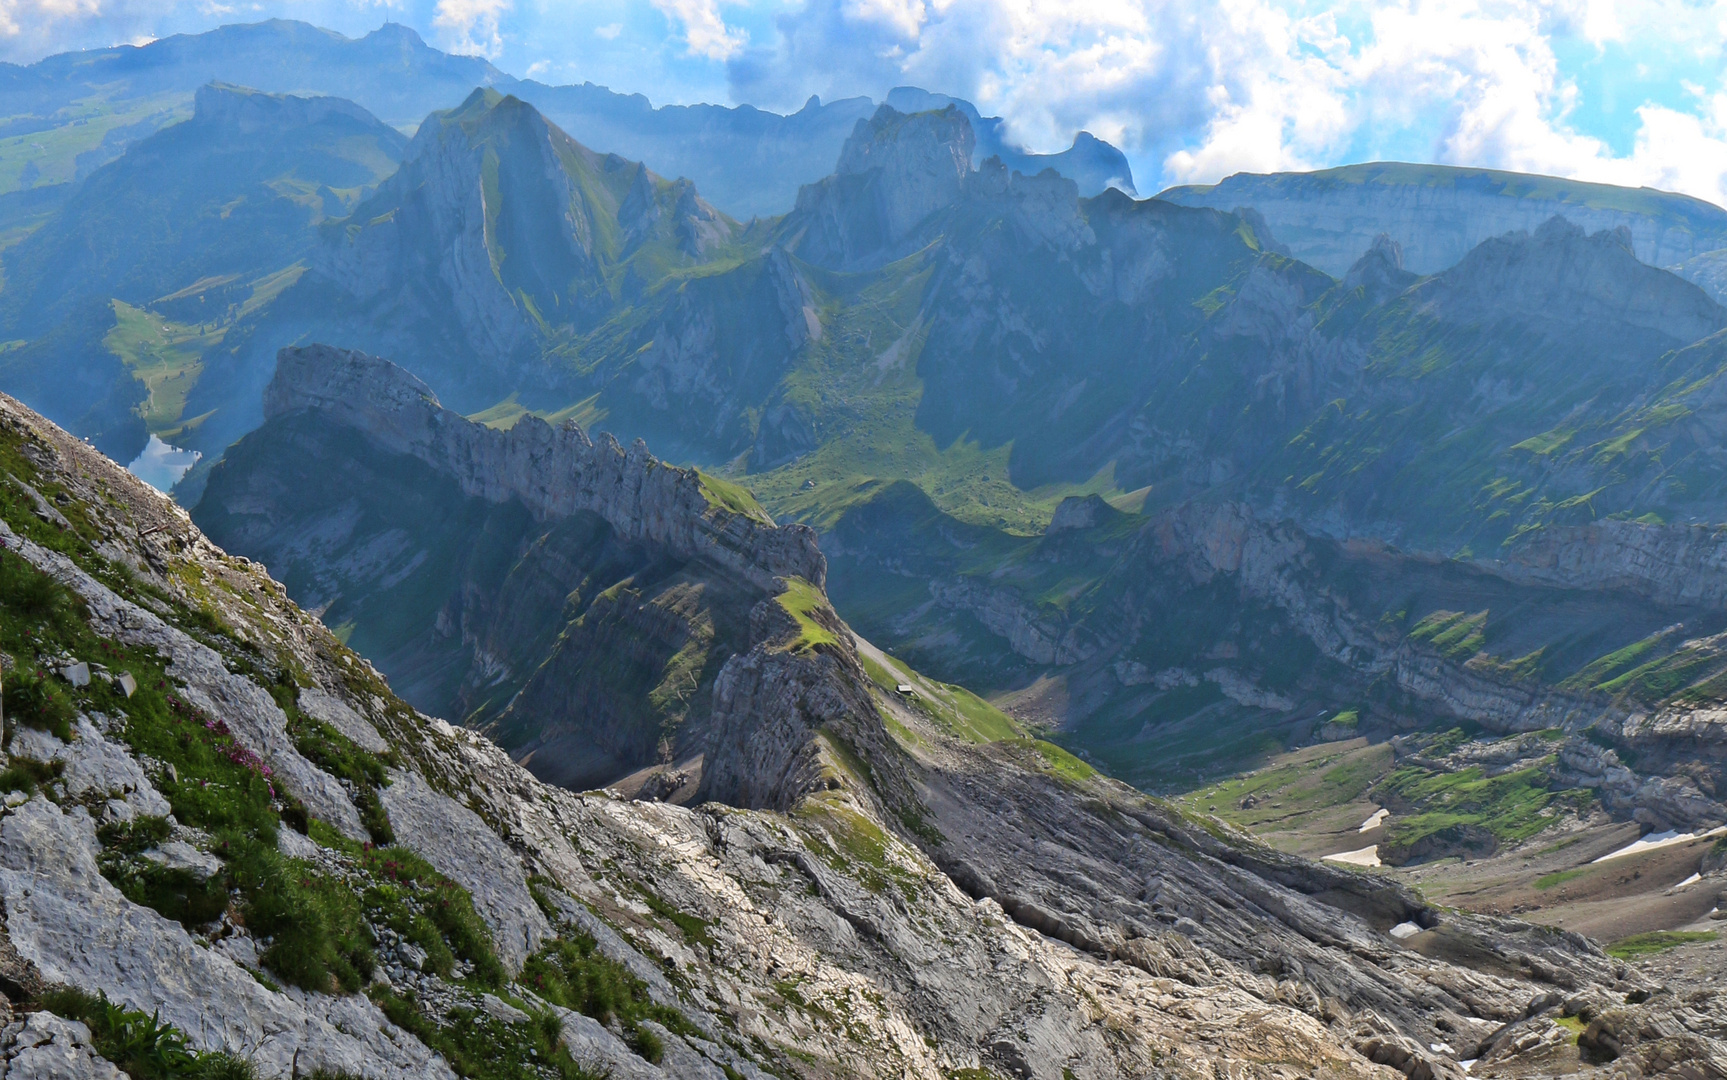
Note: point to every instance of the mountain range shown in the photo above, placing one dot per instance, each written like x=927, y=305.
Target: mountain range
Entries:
x=67, y=115
x=923, y=557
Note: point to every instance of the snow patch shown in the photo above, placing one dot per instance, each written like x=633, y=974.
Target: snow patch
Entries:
x=1660, y=840
x=1367, y=856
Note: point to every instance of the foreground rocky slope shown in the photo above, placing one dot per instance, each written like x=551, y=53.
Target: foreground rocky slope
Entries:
x=842, y=933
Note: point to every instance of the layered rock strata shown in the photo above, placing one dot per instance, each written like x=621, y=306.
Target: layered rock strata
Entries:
x=553, y=472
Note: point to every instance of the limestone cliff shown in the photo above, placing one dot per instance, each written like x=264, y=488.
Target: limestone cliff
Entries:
x=552, y=472
x=581, y=602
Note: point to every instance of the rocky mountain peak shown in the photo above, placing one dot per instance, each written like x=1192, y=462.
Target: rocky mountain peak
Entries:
x=499, y=230
x=936, y=145
x=894, y=172
x=1379, y=272
x=700, y=228
x=1561, y=272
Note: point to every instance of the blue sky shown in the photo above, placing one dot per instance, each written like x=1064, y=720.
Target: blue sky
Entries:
x=1628, y=93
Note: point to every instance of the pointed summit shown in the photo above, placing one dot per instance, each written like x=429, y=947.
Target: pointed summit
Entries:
x=1379, y=273
x=894, y=173
x=500, y=230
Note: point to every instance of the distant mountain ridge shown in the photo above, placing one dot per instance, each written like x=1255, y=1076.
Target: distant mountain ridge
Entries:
x=1438, y=212
x=750, y=161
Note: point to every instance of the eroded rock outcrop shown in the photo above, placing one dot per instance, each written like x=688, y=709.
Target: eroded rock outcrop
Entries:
x=553, y=472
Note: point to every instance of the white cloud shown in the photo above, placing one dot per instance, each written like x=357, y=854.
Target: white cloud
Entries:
x=19, y=17
x=1196, y=89
x=471, y=26
x=1191, y=89
x=705, y=31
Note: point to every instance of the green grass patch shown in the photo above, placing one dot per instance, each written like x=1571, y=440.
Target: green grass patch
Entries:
x=801, y=601
x=733, y=497
x=140, y=1044
x=1638, y=946
x=165, y=356
x=952, y=709
x=694, y=929
x=1548, y=881
x=1455, y=635
x=1510, y=805
x=342, y=758
x=432, y=911
x=315, y=925
x=1055, y=760
x=573, y=973
x=481, y=1047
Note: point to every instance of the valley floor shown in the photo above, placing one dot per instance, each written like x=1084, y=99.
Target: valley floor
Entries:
x=1574, y=874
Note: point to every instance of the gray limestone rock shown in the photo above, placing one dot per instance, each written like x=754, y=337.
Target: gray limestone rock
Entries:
x=592, y=1045
x=332, y=710
x=555, y=472
x=48, y=1047
x=96, y=766
x=64, y=917
x=35, y=744
x=458, y=843
x=245, y=708
x=179, y=855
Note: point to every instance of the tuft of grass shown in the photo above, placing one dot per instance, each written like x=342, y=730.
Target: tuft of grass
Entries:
x=39, y=700
x=694, y=929
x=441, y=918
x=344, y=759
x=315, y=925
x=140, y=1044
x=801, y=600
x=1560, y=877
x=27, y=775
x=573, y=973
x=1638, y=946
x=481, y=1047
x=733, y=497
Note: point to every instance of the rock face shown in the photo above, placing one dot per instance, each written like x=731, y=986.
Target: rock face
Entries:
x=893, y=173
x=587, y=604
x=1708, y=271
x=1438, y=213
x=47, y=1046
x=552, y=472
x=1560, y=267
x=458, y=842
x=77, y=929
x=1094, y=165
x=193, y=216
x=498, y=232
x=1670, y=564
